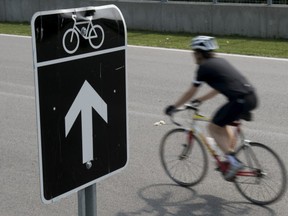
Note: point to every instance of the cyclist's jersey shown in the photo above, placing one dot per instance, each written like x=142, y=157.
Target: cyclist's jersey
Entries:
x=223, y=77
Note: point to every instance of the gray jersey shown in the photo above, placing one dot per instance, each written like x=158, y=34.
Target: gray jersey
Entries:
x=223, y=77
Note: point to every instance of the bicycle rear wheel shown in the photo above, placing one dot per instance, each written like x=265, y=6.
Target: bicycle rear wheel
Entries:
x=183, y=157
x=269, y=182
x=96, y=36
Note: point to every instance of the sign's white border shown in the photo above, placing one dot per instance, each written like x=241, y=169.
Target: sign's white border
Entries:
x=36, y=65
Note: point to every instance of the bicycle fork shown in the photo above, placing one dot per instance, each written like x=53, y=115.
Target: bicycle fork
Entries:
x=74, y=27
x=72, y=34
x=187, y=146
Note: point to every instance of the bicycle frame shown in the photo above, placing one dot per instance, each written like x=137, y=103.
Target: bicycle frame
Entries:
x=89, y=25
x=195, y=131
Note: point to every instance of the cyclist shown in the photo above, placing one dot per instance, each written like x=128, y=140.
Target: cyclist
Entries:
x=224, y=79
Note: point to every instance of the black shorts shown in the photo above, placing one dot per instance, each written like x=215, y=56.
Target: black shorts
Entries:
x=234, y=109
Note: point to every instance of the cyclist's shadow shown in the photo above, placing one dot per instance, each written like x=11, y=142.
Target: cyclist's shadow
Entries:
x=169, y=200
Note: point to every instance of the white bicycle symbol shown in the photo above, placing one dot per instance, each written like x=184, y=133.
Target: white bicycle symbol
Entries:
x=93, y=33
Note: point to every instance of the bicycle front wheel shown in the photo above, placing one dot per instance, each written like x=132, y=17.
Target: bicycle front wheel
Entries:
x=268, y=180
x=183, y=157
x=70, y=41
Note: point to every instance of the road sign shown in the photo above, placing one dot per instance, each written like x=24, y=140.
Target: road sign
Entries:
x=80, y=78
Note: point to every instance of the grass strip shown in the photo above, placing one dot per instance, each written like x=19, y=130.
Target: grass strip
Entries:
x=228, y=44
x=15, y=28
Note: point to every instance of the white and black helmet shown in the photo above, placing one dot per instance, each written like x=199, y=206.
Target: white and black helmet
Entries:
x=205, y=43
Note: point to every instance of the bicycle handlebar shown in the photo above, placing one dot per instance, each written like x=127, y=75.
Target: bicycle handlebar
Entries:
x=74, y=17
x=186, y=107
x=191, y=107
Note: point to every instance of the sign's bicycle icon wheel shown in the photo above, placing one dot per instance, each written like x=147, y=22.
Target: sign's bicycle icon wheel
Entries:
x=93, y=33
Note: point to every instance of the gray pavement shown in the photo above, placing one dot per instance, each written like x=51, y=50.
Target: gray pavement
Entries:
x=156, y=77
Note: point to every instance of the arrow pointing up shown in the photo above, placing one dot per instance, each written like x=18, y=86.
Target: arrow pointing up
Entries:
x=86, y=99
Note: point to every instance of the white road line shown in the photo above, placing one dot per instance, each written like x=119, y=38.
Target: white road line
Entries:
x=19, y=36
x=221, y=54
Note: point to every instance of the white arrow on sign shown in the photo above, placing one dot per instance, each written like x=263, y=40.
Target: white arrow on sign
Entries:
x=86, y=99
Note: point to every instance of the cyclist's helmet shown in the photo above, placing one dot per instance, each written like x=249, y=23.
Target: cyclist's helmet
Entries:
x=205, y=43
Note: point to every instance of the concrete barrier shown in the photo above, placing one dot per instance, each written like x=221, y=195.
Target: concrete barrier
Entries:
x=23, y=10
x=217, y=19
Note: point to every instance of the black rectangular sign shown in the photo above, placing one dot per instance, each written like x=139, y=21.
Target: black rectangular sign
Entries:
x=80, y=79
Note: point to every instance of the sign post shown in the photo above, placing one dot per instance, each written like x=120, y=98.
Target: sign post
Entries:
x=81, y=100
x=87, y=201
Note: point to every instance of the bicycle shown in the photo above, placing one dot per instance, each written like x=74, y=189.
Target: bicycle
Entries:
x=182, y=152
x=93, y=33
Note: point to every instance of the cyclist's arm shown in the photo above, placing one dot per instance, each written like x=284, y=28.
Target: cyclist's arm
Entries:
x=209, y=95
x=186, y=96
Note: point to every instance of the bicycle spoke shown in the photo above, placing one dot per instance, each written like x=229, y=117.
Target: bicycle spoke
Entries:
x=183, y=167
x=269, y=186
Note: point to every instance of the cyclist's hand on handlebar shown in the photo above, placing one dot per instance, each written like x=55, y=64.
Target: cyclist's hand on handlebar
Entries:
x=169, y=110
x=196, y=103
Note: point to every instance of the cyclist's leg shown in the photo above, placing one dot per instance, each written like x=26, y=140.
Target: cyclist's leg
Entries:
x=223, y=136
x=219, y=129
x=233, y=138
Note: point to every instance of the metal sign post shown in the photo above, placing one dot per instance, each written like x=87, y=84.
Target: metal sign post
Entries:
x=79, y=59
x=87, y=201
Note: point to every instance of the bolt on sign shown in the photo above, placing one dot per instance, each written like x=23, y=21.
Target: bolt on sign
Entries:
x=81, y=97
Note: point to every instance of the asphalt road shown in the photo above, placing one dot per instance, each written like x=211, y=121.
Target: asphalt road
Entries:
x=156, y=77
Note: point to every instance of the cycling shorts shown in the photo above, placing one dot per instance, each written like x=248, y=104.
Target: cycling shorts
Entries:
x=234, y=109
